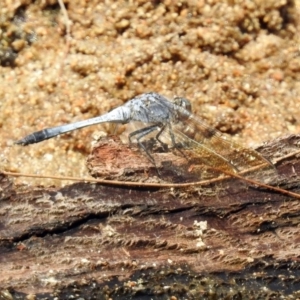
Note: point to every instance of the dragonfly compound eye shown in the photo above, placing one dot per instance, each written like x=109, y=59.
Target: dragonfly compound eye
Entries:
x=184, y=103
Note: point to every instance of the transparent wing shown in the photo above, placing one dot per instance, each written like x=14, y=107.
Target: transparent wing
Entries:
x=203, y=144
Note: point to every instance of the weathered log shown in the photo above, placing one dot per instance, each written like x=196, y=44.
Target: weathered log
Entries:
x=98, y=241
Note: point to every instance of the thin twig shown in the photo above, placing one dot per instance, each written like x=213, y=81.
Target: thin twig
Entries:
x=68, y=33
x=66, y=20
x=160, y=185
x=170, y=185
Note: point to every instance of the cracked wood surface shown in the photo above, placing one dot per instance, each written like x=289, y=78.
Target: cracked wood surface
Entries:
x=100, y=241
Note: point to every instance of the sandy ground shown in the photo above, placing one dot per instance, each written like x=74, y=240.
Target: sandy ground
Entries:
x=237, y=61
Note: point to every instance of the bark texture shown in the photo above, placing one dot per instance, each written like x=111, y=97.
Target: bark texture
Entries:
x=93, y=241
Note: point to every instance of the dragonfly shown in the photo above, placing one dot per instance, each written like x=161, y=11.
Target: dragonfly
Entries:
x=176, y=126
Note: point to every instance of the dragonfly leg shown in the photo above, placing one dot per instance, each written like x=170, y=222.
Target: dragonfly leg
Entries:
x=139, y=135
x=164, y=145
x=174, y=144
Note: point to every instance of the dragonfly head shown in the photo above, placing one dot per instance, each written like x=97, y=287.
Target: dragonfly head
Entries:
x=183, y=102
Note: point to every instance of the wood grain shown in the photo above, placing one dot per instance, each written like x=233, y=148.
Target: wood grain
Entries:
x=99, y=242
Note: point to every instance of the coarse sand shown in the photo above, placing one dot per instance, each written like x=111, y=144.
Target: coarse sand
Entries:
x=237, y=61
